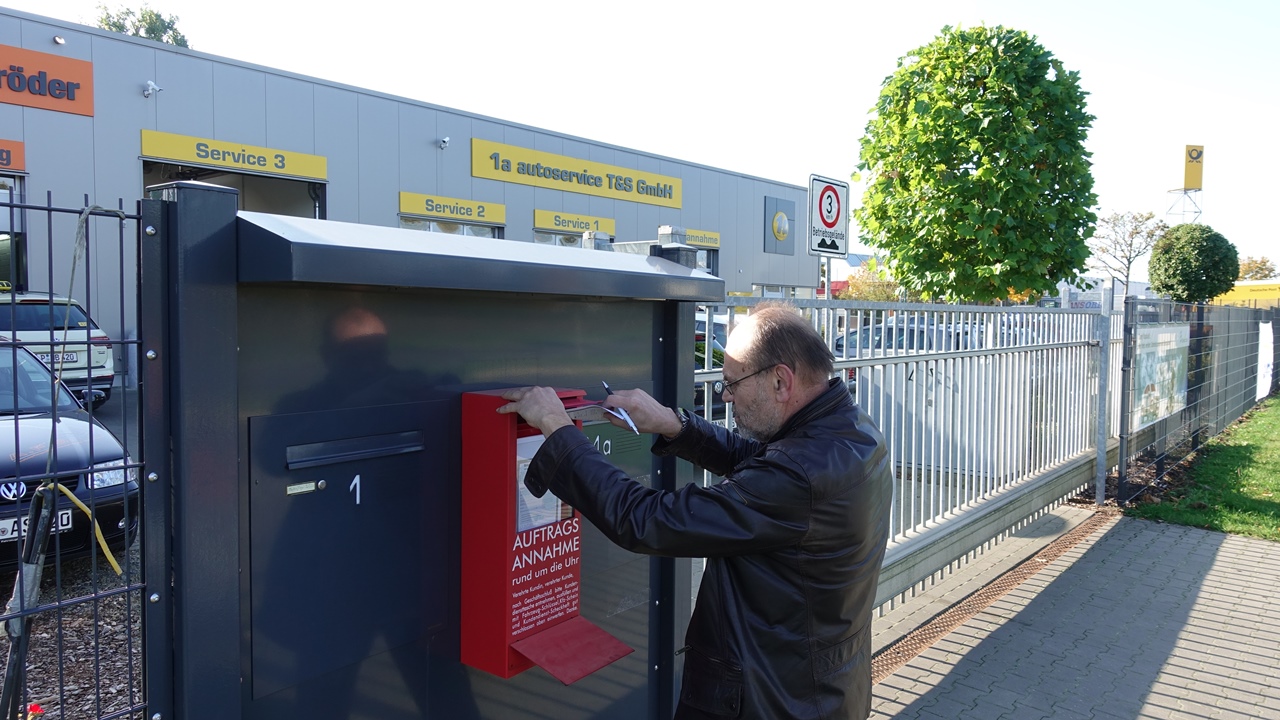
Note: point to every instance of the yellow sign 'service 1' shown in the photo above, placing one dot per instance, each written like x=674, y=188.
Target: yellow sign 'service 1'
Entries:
x=1193, y=177
x=437, y=206
x=571, y=223
x=509, y=163
x=190, y=150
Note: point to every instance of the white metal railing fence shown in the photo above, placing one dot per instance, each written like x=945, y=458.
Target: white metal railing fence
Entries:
x=972, y=400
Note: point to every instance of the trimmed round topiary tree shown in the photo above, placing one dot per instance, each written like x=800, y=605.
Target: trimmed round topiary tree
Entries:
x=979, y=186
x=1193, y=263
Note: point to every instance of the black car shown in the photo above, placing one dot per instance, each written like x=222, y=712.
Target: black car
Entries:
x=38, y=413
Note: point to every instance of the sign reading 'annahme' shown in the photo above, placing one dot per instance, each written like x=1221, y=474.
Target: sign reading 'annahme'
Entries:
x=701, y=238
x=572, y=224
x=509, y=163
x=41, y=80
x=437, y=206
x=233, y=156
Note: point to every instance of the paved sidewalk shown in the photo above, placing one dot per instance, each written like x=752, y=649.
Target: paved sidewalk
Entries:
x=1140, y=620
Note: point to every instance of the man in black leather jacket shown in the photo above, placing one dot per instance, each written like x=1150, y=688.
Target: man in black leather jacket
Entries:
x=794, y=535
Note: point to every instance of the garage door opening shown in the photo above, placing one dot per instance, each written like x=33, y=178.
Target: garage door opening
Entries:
x=279, y=196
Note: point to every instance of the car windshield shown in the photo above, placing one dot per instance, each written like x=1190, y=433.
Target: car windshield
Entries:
x=25, y=317
x=26, y=385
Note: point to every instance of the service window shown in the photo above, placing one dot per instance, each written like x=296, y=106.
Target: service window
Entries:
x=709, y=261
x=13, y=246
x=450, y=227
x=560, y=239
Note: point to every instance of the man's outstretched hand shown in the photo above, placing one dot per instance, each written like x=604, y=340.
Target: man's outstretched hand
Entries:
x=539, y=406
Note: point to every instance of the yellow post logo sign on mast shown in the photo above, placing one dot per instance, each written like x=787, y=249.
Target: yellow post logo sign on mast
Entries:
x=1193, y=175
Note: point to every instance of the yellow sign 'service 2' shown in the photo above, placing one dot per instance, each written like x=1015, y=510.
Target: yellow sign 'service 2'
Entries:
x=509, y=163
x=438, y=206
x=233, y=156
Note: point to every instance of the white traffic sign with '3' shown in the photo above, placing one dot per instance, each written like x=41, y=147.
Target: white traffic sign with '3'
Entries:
x=828, y=217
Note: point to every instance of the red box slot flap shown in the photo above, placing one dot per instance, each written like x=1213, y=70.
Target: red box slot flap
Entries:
x=572, y=650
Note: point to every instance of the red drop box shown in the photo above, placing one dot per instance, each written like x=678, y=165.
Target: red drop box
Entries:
x=521, y=555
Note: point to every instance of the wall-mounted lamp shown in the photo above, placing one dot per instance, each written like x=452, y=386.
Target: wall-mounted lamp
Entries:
x=59, y=40
x=444, y=142
x=151, y=89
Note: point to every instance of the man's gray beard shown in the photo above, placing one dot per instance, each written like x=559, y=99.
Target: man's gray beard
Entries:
x=758, y=436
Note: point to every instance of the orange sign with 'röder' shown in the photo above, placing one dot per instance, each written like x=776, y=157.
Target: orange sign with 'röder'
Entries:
x=42, y=80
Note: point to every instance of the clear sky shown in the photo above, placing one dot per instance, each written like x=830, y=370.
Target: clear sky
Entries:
x=782, y=90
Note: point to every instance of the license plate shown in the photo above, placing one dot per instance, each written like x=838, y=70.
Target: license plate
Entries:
x=9, y=528
x=50, y=359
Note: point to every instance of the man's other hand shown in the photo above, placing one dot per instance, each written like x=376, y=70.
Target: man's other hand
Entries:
x=649, y=415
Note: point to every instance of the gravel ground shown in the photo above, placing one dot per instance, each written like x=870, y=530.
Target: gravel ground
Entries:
x=85, y=654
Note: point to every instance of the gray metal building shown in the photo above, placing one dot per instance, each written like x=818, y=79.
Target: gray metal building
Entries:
x=92, y=115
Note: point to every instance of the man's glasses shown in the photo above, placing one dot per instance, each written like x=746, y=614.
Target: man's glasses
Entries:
x=720, y=386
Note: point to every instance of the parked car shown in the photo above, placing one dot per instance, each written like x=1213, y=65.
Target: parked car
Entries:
x=719, y=329
x=38, y=413
x=906, y=334
x=63, y=336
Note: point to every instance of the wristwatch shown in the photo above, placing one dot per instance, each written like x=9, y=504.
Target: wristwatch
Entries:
x=684, y=421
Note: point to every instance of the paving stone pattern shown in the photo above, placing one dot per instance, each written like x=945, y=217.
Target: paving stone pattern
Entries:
x=1141, y=620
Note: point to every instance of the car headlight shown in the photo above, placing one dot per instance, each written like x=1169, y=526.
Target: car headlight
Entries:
x=110, y=474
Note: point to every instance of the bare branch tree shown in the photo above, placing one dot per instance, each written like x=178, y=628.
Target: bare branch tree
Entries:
x=1120, y=240
x=1257, y=268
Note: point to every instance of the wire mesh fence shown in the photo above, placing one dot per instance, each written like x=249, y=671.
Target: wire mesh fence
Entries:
x=1190, y=370
x=70, y=507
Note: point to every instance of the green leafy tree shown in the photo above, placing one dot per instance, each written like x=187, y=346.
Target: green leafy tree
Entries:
x=1122, y=240
x=145, y=23
x=1193, y=263
x=1252, y=268
x=978, y=182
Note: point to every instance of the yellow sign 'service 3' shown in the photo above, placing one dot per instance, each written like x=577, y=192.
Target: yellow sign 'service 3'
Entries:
x=233, y=156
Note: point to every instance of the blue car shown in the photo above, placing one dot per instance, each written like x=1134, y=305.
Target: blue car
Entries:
x=47, y=438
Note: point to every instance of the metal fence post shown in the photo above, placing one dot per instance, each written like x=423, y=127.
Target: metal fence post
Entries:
x=1275, y=345
x=157, y=485
x=201, y=345
x=1126, y=395
x=1102, y=331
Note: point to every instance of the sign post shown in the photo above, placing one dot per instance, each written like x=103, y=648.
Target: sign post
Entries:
x=828, y=217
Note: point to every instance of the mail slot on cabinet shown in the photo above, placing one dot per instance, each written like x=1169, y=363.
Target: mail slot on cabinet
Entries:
x=344, y=504
x=521, y=570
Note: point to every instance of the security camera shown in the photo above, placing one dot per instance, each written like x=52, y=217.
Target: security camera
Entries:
x=152, y=88
x=444, y=143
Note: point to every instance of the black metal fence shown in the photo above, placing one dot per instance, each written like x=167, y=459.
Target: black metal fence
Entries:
x=71, y=502
x=1189, y=371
